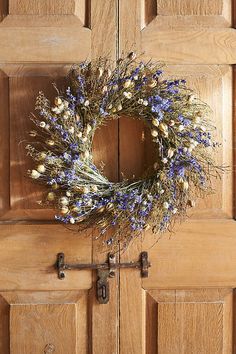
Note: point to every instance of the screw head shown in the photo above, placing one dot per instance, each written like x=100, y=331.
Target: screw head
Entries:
x=62, y=275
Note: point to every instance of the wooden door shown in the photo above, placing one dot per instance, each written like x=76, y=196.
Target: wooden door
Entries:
x=186, y=305
x=39, y=313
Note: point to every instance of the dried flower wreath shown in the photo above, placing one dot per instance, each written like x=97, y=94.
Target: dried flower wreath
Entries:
x=180, y=131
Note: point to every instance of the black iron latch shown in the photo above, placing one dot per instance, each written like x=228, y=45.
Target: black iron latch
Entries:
x=104, y=271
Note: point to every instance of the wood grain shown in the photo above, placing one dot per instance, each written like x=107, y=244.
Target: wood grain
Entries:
x=176, y=265
x=187, y=321
x=186, y=7
x=49, y=7
x=45, y=45
x=78, y=300
x=187, y=314
x=52, y=327
x=50, y=13
x=179, y=47
x=187, y=14
x=28, y=254
x=137, y=150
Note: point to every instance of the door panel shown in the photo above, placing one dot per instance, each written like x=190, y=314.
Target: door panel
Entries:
x=175, y=318
x=46, y=322
x=24, y=83
x=174, y=310
x=28, y=255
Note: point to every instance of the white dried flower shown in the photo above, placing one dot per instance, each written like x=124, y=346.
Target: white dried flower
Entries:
x=165, y=205
x=100, y=72
x=163, y=127
x=155, y=122
x=170, y=153
x=85, y=190
x=109, y=72
x=66, y=115
x=42, y=155
x=51, y=196
x=58, y=101
x=180, y=127
x=119, y=107
x=35, y=174
x=104, y=89
x=42, y=124
x=145, y=102
x=191, y=98
x=64, y=201
x=127, y=83
x=127, y=94
x=203, y=128
x=41, y=168
x=140, y=101
x=72, y=220
x=152, y=83
x=185, y=185
x=86, y=154
x=58, y=109
x=174, y=211
x=86, y=103
x=164, y=160
x=94, y=188
x=88, y=129
x=154, y=133
x=50, y=142
x=71, y=130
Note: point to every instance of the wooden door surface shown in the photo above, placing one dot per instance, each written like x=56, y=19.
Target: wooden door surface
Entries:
x=186, y=305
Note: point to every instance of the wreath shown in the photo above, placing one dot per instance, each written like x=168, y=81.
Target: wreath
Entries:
x=62, y=149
